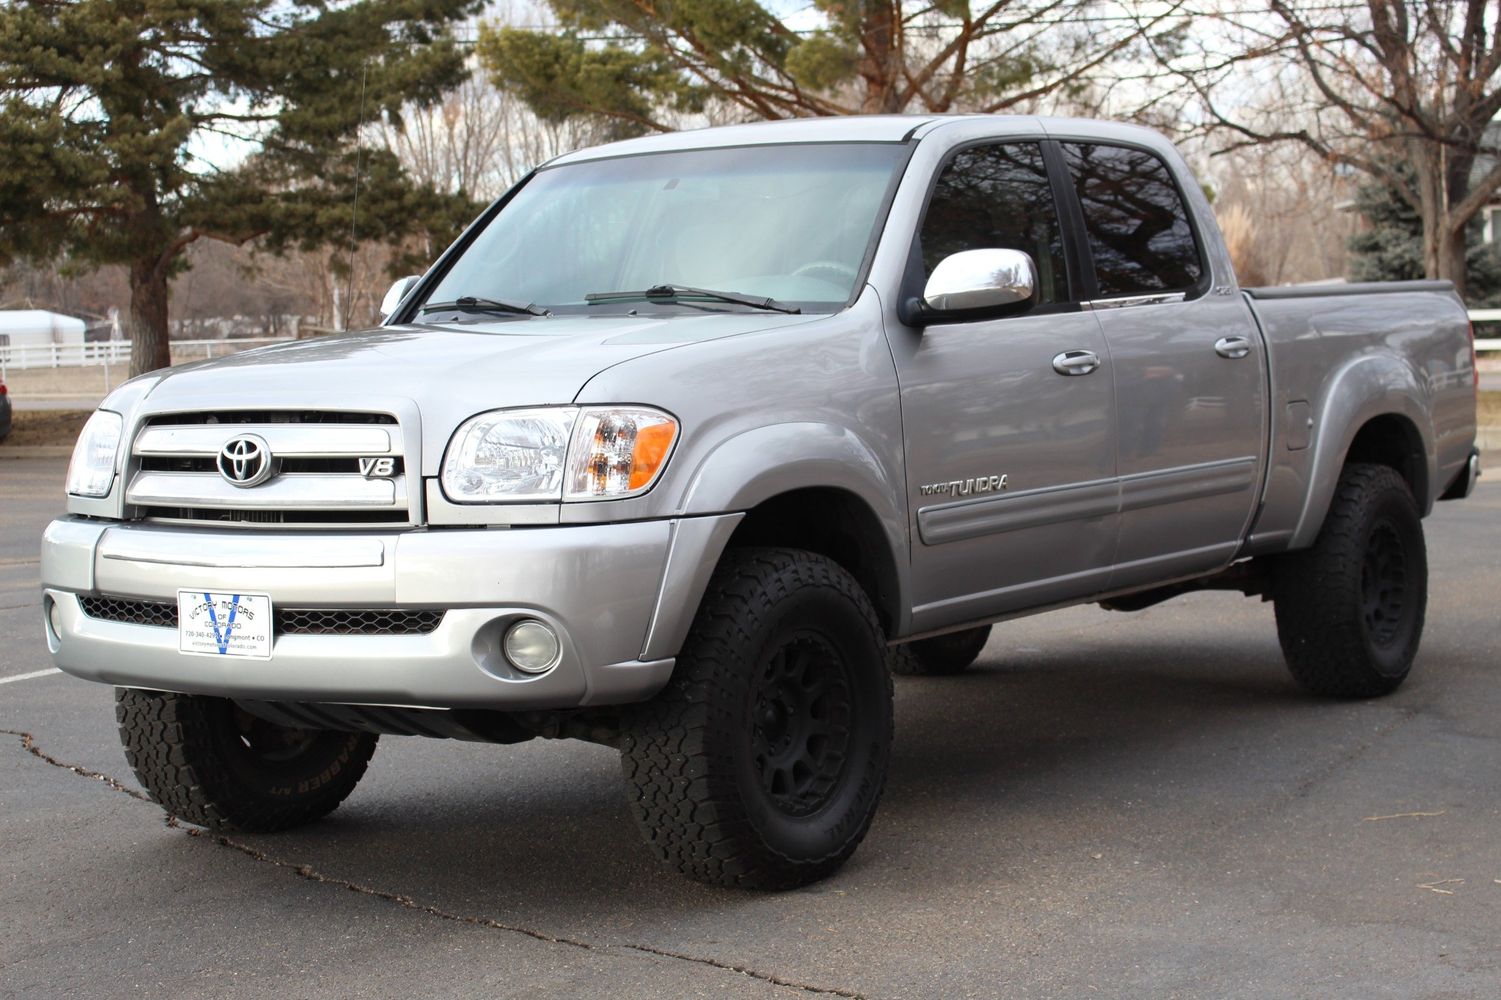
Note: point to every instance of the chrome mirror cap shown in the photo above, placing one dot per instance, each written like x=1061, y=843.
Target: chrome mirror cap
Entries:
x=396, y=293
x=975, y=280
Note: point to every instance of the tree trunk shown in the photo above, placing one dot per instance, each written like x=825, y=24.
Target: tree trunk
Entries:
x=880, y=64
x=149, y=349
x=1444, y=252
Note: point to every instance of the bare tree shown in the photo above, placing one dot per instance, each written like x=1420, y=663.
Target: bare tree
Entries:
x=1402, y=90
x=1288, y=207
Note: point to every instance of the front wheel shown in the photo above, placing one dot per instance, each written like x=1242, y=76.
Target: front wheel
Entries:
x=208, y=761
x=1350, y=609
x=761, y=762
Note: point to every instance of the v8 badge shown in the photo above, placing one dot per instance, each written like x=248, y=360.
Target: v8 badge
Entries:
x=377, y=468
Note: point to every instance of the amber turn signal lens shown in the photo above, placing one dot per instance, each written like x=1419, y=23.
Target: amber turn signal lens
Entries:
x=652, y=445
x=618, y=451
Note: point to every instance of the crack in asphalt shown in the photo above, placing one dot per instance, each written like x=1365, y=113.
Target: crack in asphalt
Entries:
x=28, y=743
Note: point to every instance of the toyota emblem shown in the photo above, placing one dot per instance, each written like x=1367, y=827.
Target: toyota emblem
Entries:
x=245, y=460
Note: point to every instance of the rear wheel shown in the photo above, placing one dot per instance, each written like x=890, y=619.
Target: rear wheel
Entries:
x=1350, y=609
x=210, y=762
x=761, y=762
x=941, y=655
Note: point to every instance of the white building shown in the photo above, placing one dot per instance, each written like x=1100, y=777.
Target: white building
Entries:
x=37, y=327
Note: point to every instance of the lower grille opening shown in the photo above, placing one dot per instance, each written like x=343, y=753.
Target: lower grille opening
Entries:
x=289, y=621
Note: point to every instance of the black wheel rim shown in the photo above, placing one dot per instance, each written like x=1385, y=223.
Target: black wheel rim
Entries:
x=801, y=724
x=1383, y=581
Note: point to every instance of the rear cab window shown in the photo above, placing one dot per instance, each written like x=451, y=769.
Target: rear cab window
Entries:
x=1136, y=225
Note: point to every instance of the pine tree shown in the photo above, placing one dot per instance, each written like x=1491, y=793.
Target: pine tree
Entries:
x=635, y=64
x=119, y=117
x=1391, y=248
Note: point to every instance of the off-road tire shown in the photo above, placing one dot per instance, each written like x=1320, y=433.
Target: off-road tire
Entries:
x=761, y=763
x=940, y=656
x=209, y=762
x=1350, y=609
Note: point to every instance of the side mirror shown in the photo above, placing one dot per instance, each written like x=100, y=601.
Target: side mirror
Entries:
x=974, y=283
x=397, y=292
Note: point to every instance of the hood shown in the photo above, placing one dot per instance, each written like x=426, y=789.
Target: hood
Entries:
x=449, y=372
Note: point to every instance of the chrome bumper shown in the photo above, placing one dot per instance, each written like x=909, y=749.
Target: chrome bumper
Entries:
x=606, y=589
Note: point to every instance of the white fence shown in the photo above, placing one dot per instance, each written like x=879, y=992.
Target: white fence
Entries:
x=115, y=352
x=1486, y=316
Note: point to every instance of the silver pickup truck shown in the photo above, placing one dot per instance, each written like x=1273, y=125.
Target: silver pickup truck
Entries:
x=691, y=441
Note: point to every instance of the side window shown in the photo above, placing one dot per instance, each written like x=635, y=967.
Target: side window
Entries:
x=1136, y=222
x=997, y=197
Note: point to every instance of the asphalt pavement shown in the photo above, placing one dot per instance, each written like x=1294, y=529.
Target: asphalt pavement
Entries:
x=1112, y=805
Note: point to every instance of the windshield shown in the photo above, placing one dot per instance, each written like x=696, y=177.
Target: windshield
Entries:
x=789, y=223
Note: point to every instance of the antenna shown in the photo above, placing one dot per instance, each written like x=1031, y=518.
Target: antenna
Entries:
x=354, y=210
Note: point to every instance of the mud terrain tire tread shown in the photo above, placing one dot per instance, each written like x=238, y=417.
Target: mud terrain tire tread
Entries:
x=680, y=755
x=176, y=744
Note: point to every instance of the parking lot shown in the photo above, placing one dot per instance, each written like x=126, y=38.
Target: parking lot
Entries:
x=1114, y=805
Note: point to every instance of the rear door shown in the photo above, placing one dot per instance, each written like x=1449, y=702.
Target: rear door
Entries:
x=1187, y=363
x=1010, y=461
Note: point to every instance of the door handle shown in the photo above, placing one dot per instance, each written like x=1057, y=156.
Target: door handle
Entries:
x=1076, y=362
x=1232, y=347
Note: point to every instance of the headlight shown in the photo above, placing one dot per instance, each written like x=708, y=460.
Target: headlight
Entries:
x=557, y=453
x=509, y=455
x=92, y=470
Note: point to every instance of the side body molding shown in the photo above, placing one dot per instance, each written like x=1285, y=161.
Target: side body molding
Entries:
x=1367, y=387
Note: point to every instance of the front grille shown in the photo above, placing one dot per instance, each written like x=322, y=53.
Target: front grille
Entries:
x=204, y=464
x=311, y=467
x=289, y=621
x=210, y=515
x=271, y=417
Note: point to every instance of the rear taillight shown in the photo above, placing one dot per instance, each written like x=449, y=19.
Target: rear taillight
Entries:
x=1474, y=362
x=3, y=390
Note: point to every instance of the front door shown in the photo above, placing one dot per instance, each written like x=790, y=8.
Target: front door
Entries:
x=1010, y=460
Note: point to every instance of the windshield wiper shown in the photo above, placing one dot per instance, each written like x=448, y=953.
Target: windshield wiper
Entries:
x=470, y=303
x=673, y=293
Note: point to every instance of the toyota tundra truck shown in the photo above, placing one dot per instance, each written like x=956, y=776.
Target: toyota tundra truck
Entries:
x=691, y=441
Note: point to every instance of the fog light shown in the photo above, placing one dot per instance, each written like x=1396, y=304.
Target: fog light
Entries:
x=532, y=646
x=54, y=619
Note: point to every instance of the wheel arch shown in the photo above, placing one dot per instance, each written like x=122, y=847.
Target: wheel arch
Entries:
x=1374, y=411
x=818, y=487
x=835, y=523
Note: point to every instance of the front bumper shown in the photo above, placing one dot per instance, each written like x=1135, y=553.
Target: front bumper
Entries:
x=603, y=588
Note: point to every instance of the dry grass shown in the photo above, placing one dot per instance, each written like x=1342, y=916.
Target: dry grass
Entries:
x=45, y=427
x=41, y=383
x=1488, y=408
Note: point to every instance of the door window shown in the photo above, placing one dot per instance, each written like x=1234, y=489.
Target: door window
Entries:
x=997, y=197
x=1135, y=220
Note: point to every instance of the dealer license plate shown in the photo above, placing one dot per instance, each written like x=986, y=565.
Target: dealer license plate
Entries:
x=224, y=624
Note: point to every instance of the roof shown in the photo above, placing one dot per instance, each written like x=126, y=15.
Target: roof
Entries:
x=849, y=128
x=39, y=321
